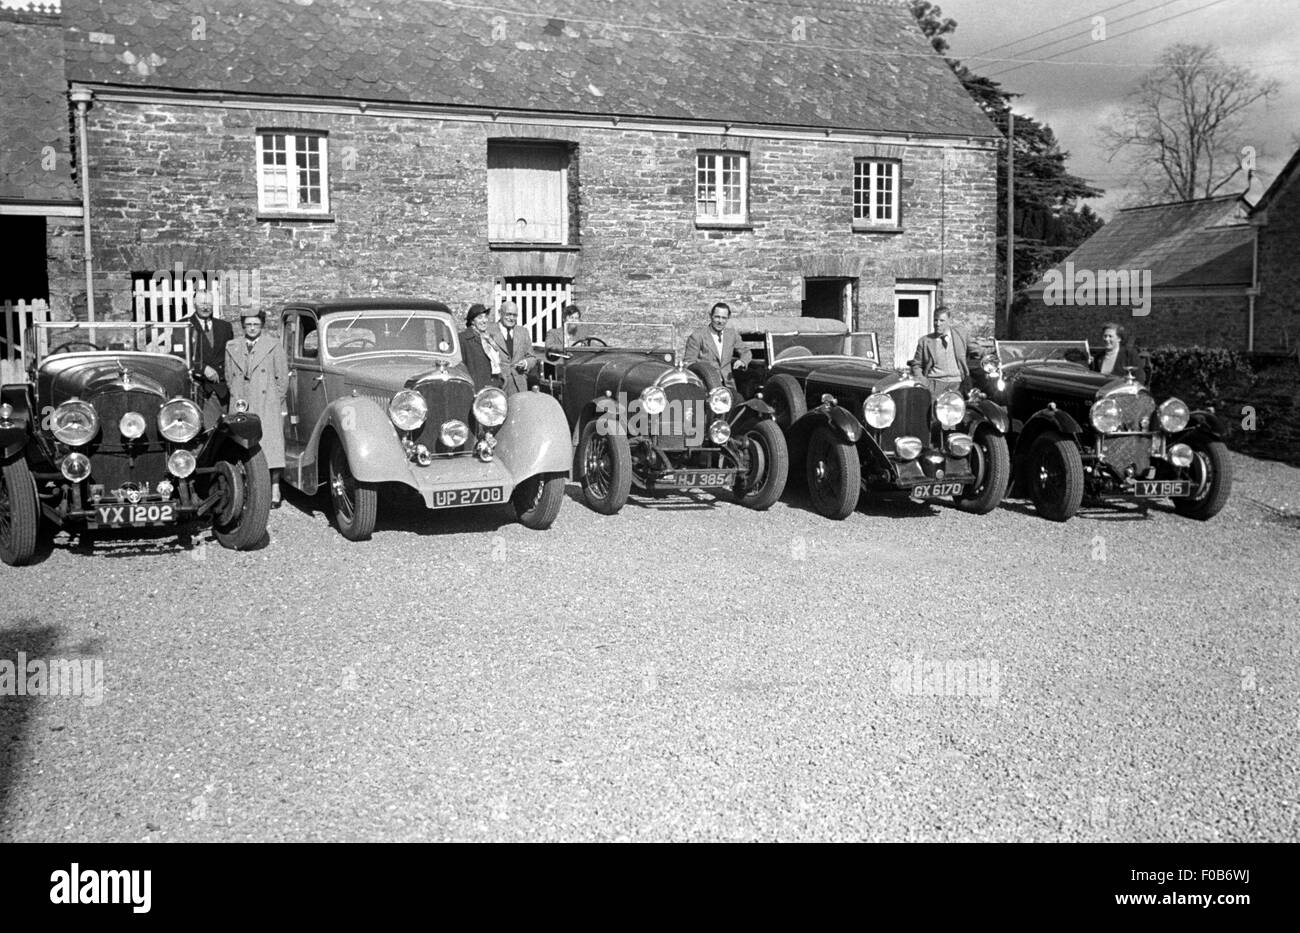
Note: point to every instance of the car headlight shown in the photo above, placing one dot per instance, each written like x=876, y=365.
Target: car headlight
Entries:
x=407, y=410
x=654, y=400
x=959, y=444
x=949, y=409
x=720, y=400
x=74, y=422
x=181, y=463
x=719, y=432
x=180, y=420
x=454, y=433
x=1174, y=415
x=879, y=410
x=1106, y=416
x=132, y=425
x=909, y=448
x=75, y=467
x=1180, y=455
x=490, y=407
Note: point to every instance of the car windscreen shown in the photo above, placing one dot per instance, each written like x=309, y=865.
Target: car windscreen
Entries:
x=1063, y=351
x=348, y=335
x=58, y=338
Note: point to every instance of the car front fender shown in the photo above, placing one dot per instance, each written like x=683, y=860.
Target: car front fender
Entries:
x=374, y=452
x=1052, y=419
x=840, y=421
x=534, y=437
x=748, y=412
x=987, y=411
x=13, y=438
x=241, y=429
x=1207, y=422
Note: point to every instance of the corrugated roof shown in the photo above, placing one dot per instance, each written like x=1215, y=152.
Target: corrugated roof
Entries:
x=859, y=65
x=1189, y=243
x=33, y=111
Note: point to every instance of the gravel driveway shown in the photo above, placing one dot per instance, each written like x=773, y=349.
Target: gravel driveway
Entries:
x=687, y=669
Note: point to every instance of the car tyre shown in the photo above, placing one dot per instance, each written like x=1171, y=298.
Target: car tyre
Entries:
x=1054, y=474
x=20, y=513
x=834, y=474
x=786, y=397
x=356, y=504
x=1211, y=472
x=243, y=526
x=992, y=462
x=605, y=465
x=769, y=467
x=537, y=500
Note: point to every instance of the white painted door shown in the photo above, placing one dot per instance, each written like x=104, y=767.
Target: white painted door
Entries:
x=913, y=315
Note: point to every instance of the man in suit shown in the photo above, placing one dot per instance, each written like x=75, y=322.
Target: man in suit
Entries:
x=517, y=357
x=718, y=348
x=940, y=358
x=481, y=352
x=568, y=333
x=1117, y=355
x=208, y=337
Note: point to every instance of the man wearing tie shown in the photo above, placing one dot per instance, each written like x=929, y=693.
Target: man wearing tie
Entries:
x=718, y=347
x=516, y=350
x=208, y=338
x=940, y=357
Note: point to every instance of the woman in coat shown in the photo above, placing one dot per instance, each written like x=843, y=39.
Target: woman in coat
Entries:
x=258, y=372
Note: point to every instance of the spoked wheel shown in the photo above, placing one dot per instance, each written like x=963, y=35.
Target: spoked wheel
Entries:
x=834, y=474
x=786, y=397
x=356, y=504
x=20, y=513
x=1055, y=476
x=1211, y=474
x=769, y=466
x=605, y=464
x=991, y=463
x=537, y=500
x=242, y=515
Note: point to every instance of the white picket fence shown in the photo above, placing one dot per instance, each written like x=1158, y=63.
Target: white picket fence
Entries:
x=540, y=303
x=16, y=321
x=161, y=301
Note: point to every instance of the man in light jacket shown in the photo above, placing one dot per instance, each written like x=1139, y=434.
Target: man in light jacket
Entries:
x=940, y=357
x=517, y=358
x=718, y=348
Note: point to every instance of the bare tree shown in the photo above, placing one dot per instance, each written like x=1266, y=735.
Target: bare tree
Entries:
x=1181, y=125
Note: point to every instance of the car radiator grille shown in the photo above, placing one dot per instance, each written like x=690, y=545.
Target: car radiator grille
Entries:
x=1136, y=409
x=113, y=470
x=686, y=416
x=111, y=406
x=912, y=415
x=447, y=400
x=1122, y=452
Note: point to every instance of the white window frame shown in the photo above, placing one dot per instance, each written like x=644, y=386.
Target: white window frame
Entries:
x=715, y=167
x=292, y=140
x=870, y=170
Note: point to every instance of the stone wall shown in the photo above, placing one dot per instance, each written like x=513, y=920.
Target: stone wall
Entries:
x=1214, y=320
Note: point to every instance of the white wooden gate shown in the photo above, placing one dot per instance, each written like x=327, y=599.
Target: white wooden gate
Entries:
x=15, y=320
x=540, y=302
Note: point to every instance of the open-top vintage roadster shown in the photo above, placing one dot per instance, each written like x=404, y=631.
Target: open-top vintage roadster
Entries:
x=109, y=434
x=1077, y=433
x=639, y=418
x=378, y=393
x=857, y=425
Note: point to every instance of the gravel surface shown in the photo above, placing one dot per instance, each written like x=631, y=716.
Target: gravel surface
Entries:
x=687, y=669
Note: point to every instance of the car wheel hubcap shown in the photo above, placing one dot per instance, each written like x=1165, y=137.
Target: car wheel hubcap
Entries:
x=340, y=487
x=1202, y=476
x=6, y=522
x=598, y=467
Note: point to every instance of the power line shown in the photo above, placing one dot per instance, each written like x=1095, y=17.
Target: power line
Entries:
x=1078, y=34
x=1044, y=32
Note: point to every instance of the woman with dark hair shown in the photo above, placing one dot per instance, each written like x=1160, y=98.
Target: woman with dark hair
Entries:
x=1117, y=356
x=481, y=352
x=258, y=373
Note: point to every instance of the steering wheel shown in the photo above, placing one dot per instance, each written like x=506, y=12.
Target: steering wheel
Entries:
x=74, y=343
x=588, y=341
x=363, y=341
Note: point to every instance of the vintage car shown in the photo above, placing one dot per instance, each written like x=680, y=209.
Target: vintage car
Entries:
x=1077, y=433
x=640, y=419
x=857, y=425
x=378, y=393
x=109, y=434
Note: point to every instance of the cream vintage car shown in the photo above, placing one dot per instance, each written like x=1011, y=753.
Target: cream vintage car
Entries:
x=378, y=394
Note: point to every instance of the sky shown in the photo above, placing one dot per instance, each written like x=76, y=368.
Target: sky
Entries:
x=1075, y=98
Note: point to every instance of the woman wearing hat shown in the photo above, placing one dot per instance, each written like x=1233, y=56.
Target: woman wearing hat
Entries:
x=258, y=373
x=483, y=355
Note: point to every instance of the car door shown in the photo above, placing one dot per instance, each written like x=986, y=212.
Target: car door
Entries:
x=308, y=394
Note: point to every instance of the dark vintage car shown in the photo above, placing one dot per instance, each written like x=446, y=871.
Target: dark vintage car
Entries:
x=857, y=425
x=378, y=393
x=1077, y=433
x=109, y=434
x=640, y=419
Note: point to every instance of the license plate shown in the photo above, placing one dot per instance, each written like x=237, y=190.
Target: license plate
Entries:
x=933, y=490
x=697, y=478
x=152, y=513
x=455, y=498
x=1161, y=488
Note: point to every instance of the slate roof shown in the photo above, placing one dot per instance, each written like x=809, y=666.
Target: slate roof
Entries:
x=33, y=110
x=1281, y=181
x=1206, y=242
x=863, y=64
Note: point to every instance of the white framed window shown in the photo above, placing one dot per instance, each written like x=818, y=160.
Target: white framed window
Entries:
x=721, y=188
x=292, y=172
x=876, y=193
x=528, y=192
